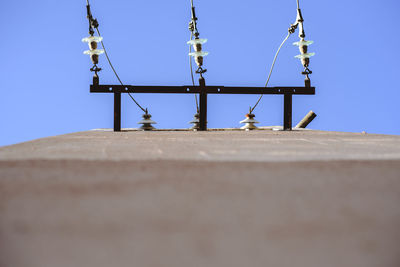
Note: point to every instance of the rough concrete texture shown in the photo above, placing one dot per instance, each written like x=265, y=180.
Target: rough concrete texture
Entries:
x=262, y=198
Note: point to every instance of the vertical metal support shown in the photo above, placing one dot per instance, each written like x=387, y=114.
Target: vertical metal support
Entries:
x=203, y=104
x=287, y=112
x=96, y=80
x=117, y=112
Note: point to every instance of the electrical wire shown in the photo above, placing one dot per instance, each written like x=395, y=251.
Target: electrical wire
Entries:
x=116, y=74
x=273, y=63
x=272, y=68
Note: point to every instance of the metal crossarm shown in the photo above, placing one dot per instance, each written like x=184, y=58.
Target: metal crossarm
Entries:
x=203, y=90
x=189, y=89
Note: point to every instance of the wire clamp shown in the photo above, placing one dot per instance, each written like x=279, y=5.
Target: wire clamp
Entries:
x=293, y=28
x=200, y=71
x=95, y=69
x=306, y=71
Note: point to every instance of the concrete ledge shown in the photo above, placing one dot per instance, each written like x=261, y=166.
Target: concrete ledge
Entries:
x=227, y=199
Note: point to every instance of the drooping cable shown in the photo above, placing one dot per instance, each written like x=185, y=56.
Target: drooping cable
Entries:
x=116, y=74
x=111, y=65
x=274, y=61
x=272, y=68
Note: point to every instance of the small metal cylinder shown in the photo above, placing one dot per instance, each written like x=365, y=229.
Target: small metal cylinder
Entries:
x=305, y=61
x=306, y=120
x=199, y=61
x=197, y=47
x=96, y=79
x=95, y=58
x=93, y=45
x=307, y=82
x=303, y=49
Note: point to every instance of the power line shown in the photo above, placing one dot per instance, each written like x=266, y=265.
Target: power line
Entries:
x=116, y=74
x=272, y=68
x=274, y=61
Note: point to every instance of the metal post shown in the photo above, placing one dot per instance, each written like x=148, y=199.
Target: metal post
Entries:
x=203, y=104
x=287, y=112
x=117, y=112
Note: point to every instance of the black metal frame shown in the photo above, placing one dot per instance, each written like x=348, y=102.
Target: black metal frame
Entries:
x=203, y=91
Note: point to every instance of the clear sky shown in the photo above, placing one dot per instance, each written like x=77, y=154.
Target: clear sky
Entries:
x=45, y=77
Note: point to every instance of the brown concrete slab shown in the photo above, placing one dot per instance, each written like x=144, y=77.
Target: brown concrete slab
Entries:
x=201, y=199
x=260, y=146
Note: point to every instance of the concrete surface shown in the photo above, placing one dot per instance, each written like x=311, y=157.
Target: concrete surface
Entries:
x=264, y=198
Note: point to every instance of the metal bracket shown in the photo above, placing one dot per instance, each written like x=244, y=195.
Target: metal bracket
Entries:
x=204, y=91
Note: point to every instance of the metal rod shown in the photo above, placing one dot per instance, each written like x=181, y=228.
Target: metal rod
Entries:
x=203, y=104
x=117, y=112
x=306, y=120
x=287, y=112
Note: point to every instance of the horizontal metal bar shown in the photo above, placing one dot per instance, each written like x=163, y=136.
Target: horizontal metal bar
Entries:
x=208, y=89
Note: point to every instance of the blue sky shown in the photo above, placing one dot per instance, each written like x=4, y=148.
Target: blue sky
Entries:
x=45, y=77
